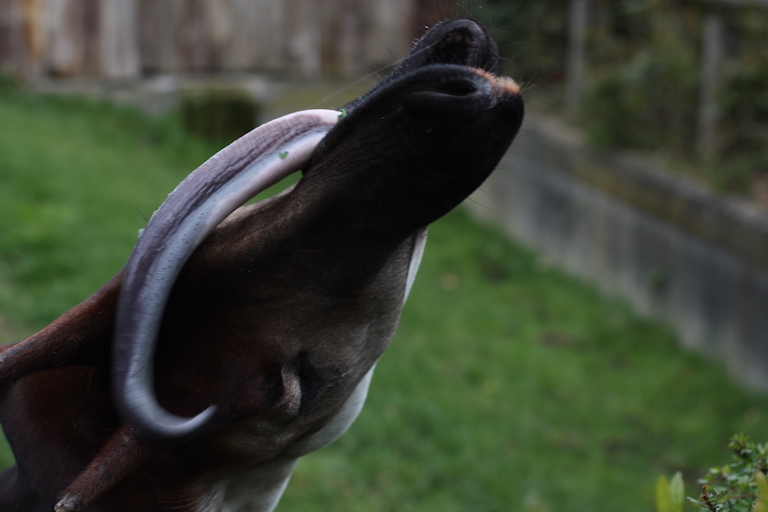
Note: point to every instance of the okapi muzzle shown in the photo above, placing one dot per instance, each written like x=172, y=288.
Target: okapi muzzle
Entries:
x=238, y=338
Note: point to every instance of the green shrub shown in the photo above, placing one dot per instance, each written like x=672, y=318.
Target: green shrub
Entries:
x=219, y=115
x=740, y=486
x=736, y=487
x=643, y=89
x=743, y=100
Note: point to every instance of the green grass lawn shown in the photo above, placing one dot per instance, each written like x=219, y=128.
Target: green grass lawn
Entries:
x=509, y=387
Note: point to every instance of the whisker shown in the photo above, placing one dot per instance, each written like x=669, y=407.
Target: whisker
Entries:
x=481, y=205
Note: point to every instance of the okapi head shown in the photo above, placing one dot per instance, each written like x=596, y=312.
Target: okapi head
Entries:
x=244, y=340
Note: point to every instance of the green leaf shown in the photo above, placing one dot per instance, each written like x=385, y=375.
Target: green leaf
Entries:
x=662, y=495
x=282, y=155
x=676, y=493
x=762, y=492
x=670, y=495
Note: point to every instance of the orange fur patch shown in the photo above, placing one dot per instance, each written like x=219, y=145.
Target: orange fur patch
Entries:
x=503, y=83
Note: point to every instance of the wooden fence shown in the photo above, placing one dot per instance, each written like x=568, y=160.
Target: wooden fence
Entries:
x=123, y=40
x=713, y=58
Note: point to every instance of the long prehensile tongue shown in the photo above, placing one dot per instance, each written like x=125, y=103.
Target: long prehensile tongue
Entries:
x=200, y=202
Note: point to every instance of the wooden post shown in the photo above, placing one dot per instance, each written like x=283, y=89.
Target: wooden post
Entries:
x=389, y=38
x=194, y=36
x=577, y=54
x=304, y=37
x=66, y=38
x=711, y=80
x=158, y=30
x=247, y=38
x=120, y=56
x=21, y=38
x=350, y=35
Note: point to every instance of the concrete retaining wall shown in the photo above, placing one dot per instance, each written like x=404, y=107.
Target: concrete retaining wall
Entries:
x=676, y=251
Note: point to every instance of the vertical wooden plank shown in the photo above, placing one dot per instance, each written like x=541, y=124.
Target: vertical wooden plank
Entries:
x=365, y=35
x=389, y=38
x=21, y=38
x=273, y=48
x=576, y=65
x=240, y=48
x=65, y=38
x=90, y=24
x=331, y=21
x=221, y=25
x=713, y=54
x=349, y=37
x=119, y=36
x=304, y=37
x=194, y=36
x=33, y=26
x=6, y=37
x=158, y=26
x=12, y=46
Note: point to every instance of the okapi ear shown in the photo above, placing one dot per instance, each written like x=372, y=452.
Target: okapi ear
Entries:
x=79, y=336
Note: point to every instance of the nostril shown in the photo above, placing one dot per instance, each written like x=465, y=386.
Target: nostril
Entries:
x=457, y=88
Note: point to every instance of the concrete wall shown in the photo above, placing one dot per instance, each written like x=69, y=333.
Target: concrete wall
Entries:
x=676, y=251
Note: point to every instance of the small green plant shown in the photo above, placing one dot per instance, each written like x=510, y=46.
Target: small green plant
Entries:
x=670, y=494
x=762, y=492
x=740, y=486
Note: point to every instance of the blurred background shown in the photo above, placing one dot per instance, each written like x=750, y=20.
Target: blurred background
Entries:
x=595, y=316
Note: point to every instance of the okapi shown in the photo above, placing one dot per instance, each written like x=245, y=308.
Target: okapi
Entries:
x=270, y=318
